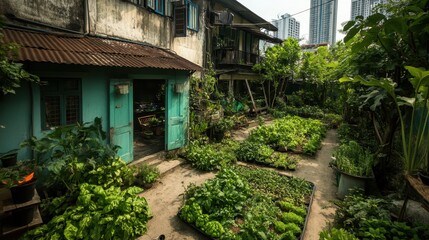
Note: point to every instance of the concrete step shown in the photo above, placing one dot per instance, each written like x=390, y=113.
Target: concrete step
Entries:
x=158, y=159
x=153, y=159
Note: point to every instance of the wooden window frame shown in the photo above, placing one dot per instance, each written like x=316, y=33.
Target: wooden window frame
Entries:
x=193, y=18
x=62, y=93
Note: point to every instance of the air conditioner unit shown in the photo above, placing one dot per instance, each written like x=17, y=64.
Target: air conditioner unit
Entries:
x=221, y=18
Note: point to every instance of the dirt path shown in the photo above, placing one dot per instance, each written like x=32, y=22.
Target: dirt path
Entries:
x=165, y=198
x=318, y=172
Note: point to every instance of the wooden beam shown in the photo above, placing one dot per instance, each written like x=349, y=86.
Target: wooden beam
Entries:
x=251, y=95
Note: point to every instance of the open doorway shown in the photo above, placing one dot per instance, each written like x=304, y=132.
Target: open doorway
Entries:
x=149, y=117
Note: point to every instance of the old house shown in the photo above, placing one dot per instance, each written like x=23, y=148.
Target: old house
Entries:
x=126, y=61
x=235, y=37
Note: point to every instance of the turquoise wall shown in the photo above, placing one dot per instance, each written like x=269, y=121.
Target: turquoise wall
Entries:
x=15, y=110
x=15, y=120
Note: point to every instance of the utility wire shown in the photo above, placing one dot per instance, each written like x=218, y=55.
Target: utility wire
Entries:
x=255, y=24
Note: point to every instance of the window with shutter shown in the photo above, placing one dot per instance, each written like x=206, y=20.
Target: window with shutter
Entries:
x=193, y=14
x=156, y=5
x=60, y=102
x=180, y=17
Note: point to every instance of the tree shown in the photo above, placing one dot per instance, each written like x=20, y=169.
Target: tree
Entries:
x=317, y=73
x=279, y=66
x=11, y=73
x=395, y=36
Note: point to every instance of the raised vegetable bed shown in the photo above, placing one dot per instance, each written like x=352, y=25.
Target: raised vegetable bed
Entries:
x=249, y=203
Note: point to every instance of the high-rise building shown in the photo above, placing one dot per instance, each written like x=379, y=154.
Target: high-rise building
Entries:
x=363, y=7
x=323, y=21
x=287, y=27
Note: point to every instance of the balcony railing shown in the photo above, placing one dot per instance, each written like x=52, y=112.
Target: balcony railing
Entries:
x=235, y=57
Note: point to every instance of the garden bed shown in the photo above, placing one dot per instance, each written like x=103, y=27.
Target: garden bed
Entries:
x=291, y=133
x=248, y=203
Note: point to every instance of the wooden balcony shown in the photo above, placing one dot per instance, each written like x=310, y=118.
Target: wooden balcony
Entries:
x=229, y=58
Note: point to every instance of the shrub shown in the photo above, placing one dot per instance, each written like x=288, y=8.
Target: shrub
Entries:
x=147, y=174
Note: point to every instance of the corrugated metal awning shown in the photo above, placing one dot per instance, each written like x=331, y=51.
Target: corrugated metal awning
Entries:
x=86, y=50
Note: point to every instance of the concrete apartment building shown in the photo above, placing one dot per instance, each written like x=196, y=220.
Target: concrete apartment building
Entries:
x=323, y=21
x=287, y=27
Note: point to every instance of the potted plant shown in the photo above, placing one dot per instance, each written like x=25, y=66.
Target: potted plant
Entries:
x=9, y=158
x=155, y=124
x=20, y=180
x=413, y=116
x=354, y=164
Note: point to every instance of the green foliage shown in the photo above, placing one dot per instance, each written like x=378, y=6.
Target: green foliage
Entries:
x=351, y=158
x=336, y=234
x=249, y=151
x=333, y=120
x=208, y=157
x=279, y=65
x=219, y=128
x=11, y=73
x=283, y=161
x=289, y=207
x=290, y=217
x=282, y=227
x=213, y=229
x=147, y=174
x=276, y=186
x=414, y=129
x=71, y=155
x=99, y=214
x=15, y=175
x=381, y=47
x=369, y=218
x=237, y=199
x=291, y=133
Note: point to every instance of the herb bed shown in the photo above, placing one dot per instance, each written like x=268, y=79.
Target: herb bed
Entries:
x=238, y=204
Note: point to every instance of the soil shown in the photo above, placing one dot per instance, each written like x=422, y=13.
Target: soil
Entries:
x=166, y=197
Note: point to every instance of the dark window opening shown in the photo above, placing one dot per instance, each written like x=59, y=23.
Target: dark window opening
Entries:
x=60, y=102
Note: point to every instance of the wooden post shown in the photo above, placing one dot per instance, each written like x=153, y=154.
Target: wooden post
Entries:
x=251, y=95
x=265, y=95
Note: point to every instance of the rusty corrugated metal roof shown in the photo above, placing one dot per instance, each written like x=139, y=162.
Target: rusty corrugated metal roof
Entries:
x=86, y=50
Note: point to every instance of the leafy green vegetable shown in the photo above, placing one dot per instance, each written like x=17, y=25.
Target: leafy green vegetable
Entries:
x=240, y=198
x=99, y=214
x=208, y=157
x=290, y=217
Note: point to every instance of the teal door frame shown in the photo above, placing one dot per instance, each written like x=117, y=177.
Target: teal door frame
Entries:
x=121, y=117
x=170, y=119
x=177, y=102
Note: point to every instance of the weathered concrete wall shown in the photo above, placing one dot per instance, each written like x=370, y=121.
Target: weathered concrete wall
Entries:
x=191, y=47
x=126, y=20
x=114, y=18
x=129, y=21
x=60, y=13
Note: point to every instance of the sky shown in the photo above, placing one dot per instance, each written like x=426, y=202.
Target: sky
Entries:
x=273, y=9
